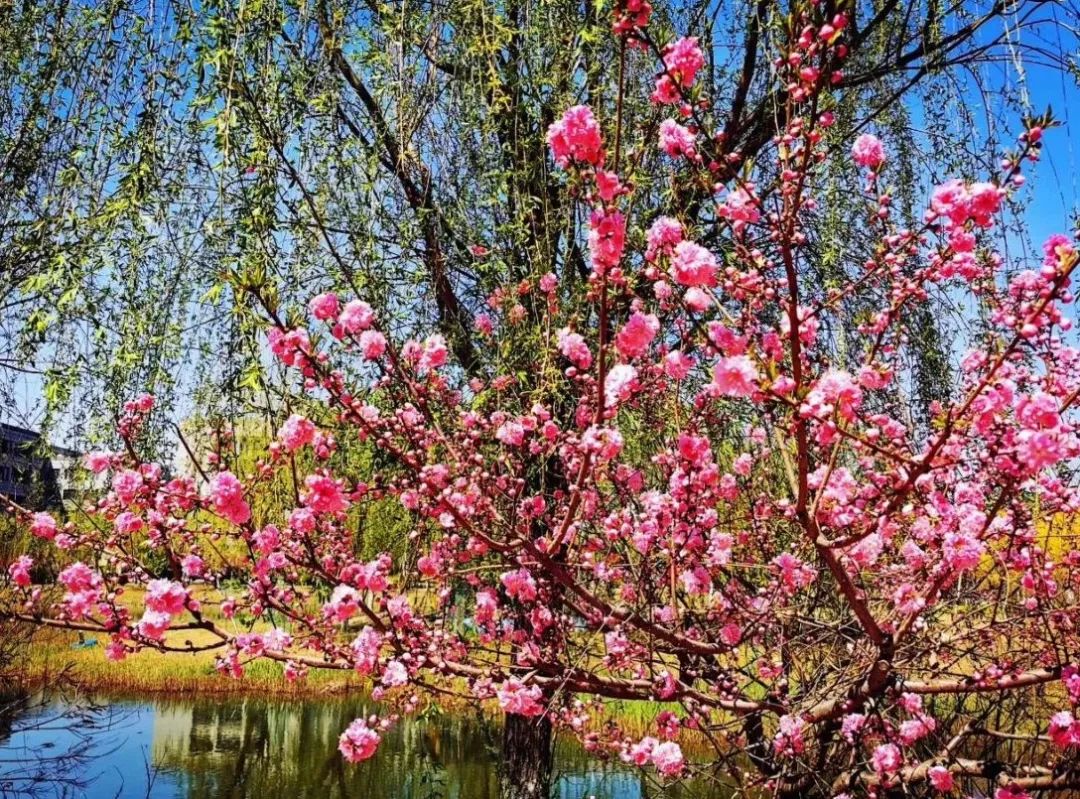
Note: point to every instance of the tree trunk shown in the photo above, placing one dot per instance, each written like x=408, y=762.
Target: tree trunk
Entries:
x=526, y=758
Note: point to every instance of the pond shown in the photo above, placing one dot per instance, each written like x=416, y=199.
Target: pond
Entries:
x=224, y=747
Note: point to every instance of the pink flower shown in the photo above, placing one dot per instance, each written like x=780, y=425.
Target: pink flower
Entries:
x=677, y=364
x=794, y=573
x=166, y=596
x=1011, y=792
x=127, y=485
x=639, y=754
x=741, y=208
x=372, y=344
x=693, y=265
x=520, y=585
x=43, y=525
x=735, y=376
x=356, y=316
x=296, y=432
x=676, y=140
x=638, y=332
x=668, y=759
x=789, y=737
x=79, y=577
x=192, y=566
x=962, y=551
x=1064, y=730
x=662, y=237
x=868, y=151
x=395, y=674
x=511, y=433
x=607, y=239
x=607, y=185
x=574, y=349
x=887, y=759
x=515, y=698
x=19, y=570
x=620, y=383
x=154, y=625
x=324, y=306
x=227, y=494
x=324, y=494
x=576, y=138
x=682, y=60
x=941, y=778
x=127, y=523
x=358, y=742
x=366, y=648
x=97, y=462
x=343, y=605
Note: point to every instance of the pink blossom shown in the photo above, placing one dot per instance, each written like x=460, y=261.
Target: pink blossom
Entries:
x=366, y=647
x=735, y=376
x=79, y=577
x=154, y=625
x=682, y=60
x=1064, y=730
x=576, y=138
x=519, y=585
x=640, y=753
x=126, y=485
x=677, y=364
x=636, y=335
x=97, y=462
x=434, y=353
x=511, y=433
x=794, y=573
x=127, y=523
x=887, y=759
x=789, y=739
x=372, y=344
x=574, y=349
x=227, y=494
x=662, y=237
x=693, y=265
x=19, y=570
x=166, y=596
x=297, y=432
x=868, y=151
x=607, y=186
x=487, y=606
x=192, y=566
x=324, y=306
x=941, y=778
x=620, y=383
x=324, y=494
x=668, y=758
x=356, y=316
x=515, y=697
x=43, y=525
x=358, y=742
x=395, y=674
x=343, y=605
x=676, y=140
x=607, y=239
x=740, y=208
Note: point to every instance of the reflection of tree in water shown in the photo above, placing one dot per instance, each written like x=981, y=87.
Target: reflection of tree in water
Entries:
x=256, y=748
x=50, y=746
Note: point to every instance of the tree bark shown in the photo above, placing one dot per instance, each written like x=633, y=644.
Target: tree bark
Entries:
x=526, y=758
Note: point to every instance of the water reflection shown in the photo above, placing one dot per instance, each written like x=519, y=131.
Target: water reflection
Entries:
x=212, y=749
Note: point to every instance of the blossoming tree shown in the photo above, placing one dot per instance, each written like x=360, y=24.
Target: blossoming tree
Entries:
x=697, y=498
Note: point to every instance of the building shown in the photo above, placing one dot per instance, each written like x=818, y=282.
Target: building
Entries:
x=33, y=475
